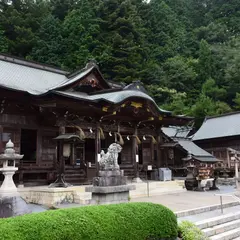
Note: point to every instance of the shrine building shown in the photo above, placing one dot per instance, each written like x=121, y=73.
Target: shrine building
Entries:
x=62, y=121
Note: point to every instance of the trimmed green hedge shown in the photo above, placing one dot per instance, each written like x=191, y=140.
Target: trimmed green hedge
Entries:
x=128, y=221
x=189, y=231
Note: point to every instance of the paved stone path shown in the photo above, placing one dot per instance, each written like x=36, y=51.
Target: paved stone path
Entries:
x=189, y=199
x=175, y=201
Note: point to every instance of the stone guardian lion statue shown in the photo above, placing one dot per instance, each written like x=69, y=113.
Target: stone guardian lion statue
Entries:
x=109, y=160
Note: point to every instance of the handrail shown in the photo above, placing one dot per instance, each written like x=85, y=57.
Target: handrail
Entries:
x=227, y=195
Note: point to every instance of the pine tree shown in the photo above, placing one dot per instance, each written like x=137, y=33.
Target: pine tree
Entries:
x=49, y=46
x=80, y=32
x=123, y=34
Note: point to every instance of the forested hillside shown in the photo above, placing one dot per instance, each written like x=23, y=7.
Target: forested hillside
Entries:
x=186, y=52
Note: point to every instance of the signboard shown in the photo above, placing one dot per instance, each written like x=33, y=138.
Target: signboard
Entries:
x=149, y=168
x=137, y=158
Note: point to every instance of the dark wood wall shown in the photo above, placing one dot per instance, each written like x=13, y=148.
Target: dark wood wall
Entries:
x=218, y=147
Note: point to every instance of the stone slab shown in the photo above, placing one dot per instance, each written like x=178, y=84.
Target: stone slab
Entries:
x=111, y=173
x=110, y=189
x=109, y=181
x=110, y=198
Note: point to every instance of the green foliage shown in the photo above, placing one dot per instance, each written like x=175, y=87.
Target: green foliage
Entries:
x=236, y=100
x=189, y=231
x=179, y=73
x=3, y=42
x=210, y=89
x=49, y=46
x=80, y=31
x=122, y=221
x=122, y=33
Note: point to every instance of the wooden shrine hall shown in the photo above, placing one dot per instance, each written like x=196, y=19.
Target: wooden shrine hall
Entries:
x=62, y=120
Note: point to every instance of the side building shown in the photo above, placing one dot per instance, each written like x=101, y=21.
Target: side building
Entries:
x=41, y=107
x=218, y=135
x=181, y=150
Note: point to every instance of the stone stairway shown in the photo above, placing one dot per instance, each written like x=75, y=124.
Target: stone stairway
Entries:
x=215, y=224
x=224, y=227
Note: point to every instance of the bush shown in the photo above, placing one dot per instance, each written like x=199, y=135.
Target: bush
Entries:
x=128, y=221
x=189, y=231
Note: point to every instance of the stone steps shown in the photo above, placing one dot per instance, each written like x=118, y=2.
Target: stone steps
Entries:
x=223, y=227
x=229, y=235
x=218, y=229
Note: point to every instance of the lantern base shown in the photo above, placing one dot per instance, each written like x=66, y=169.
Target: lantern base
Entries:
x=13, y=206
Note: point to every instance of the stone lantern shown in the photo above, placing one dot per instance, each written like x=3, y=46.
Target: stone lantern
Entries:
x=11, y=204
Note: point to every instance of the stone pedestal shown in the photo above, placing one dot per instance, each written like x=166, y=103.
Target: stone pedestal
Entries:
x=110, y=187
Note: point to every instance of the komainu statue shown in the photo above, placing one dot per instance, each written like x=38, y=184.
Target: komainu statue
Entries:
x=109, y=160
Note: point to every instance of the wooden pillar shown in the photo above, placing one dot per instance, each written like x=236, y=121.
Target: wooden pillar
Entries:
x=62, y=130
x=1, y=143
x=134, y=153
x=61, y=158
x=159, y=151
x=97, y=147
x=228, y=159
x=39, y=147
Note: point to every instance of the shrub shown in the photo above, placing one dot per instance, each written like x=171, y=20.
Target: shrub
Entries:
x=127, y=221
x=189, y=231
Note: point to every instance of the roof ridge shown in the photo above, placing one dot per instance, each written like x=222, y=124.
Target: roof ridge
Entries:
x=32, y=64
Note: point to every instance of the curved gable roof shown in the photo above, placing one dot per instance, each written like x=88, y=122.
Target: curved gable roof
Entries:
x=111, y=97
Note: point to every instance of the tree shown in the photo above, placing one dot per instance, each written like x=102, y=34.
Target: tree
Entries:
x=170, y=99
x=60, y=8
x=20, y=21
x=123, y=35
x=205, y=106
x=179, y=74
x=166, y=33
x=3, y=42
x=49, y=47
x=236, y=100
x=205, y=62
x=80, y=32
x=210, y=89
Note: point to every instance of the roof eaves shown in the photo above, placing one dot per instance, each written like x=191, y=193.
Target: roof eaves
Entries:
x=222, y=115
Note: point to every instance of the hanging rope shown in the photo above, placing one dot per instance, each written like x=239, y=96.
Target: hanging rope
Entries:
x=121, y=141
x=154, y=141
x=81, y=132
x=102, y=136
x=137, y=139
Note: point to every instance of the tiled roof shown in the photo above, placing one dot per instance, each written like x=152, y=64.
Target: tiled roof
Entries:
x=196, y=152
x=179, y=138
x=36, y=79
x=176, y=132
x=29, y=79
x=221, y=126
x=192, y=148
